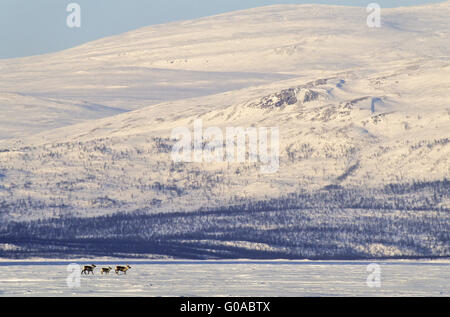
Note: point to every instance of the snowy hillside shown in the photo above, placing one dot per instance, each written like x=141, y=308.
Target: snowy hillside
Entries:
x=211, y=55
x=363, y=115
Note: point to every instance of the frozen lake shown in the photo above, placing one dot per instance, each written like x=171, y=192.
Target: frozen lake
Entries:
x=228, y=278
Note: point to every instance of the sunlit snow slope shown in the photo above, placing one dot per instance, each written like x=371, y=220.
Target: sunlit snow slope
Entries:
x=359, y=109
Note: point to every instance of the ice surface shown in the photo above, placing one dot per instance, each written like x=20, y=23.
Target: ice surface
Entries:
x=230, y=278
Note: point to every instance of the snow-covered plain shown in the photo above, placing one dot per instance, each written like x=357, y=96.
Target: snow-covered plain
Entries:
x=230, y=278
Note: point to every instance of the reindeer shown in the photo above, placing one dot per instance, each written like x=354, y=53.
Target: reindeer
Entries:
x=122, y=269
x=88, y=268
x=106, y=270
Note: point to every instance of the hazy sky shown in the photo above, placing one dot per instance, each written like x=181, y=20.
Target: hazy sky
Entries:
x=30, y=27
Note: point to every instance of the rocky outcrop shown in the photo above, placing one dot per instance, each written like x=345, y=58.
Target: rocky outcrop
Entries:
x=287, y=97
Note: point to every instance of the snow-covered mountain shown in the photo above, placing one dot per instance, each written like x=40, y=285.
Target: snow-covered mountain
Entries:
x=211, y=55
x=361, y=113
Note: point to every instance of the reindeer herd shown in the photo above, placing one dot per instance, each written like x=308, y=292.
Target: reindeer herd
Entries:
x=105, y=270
